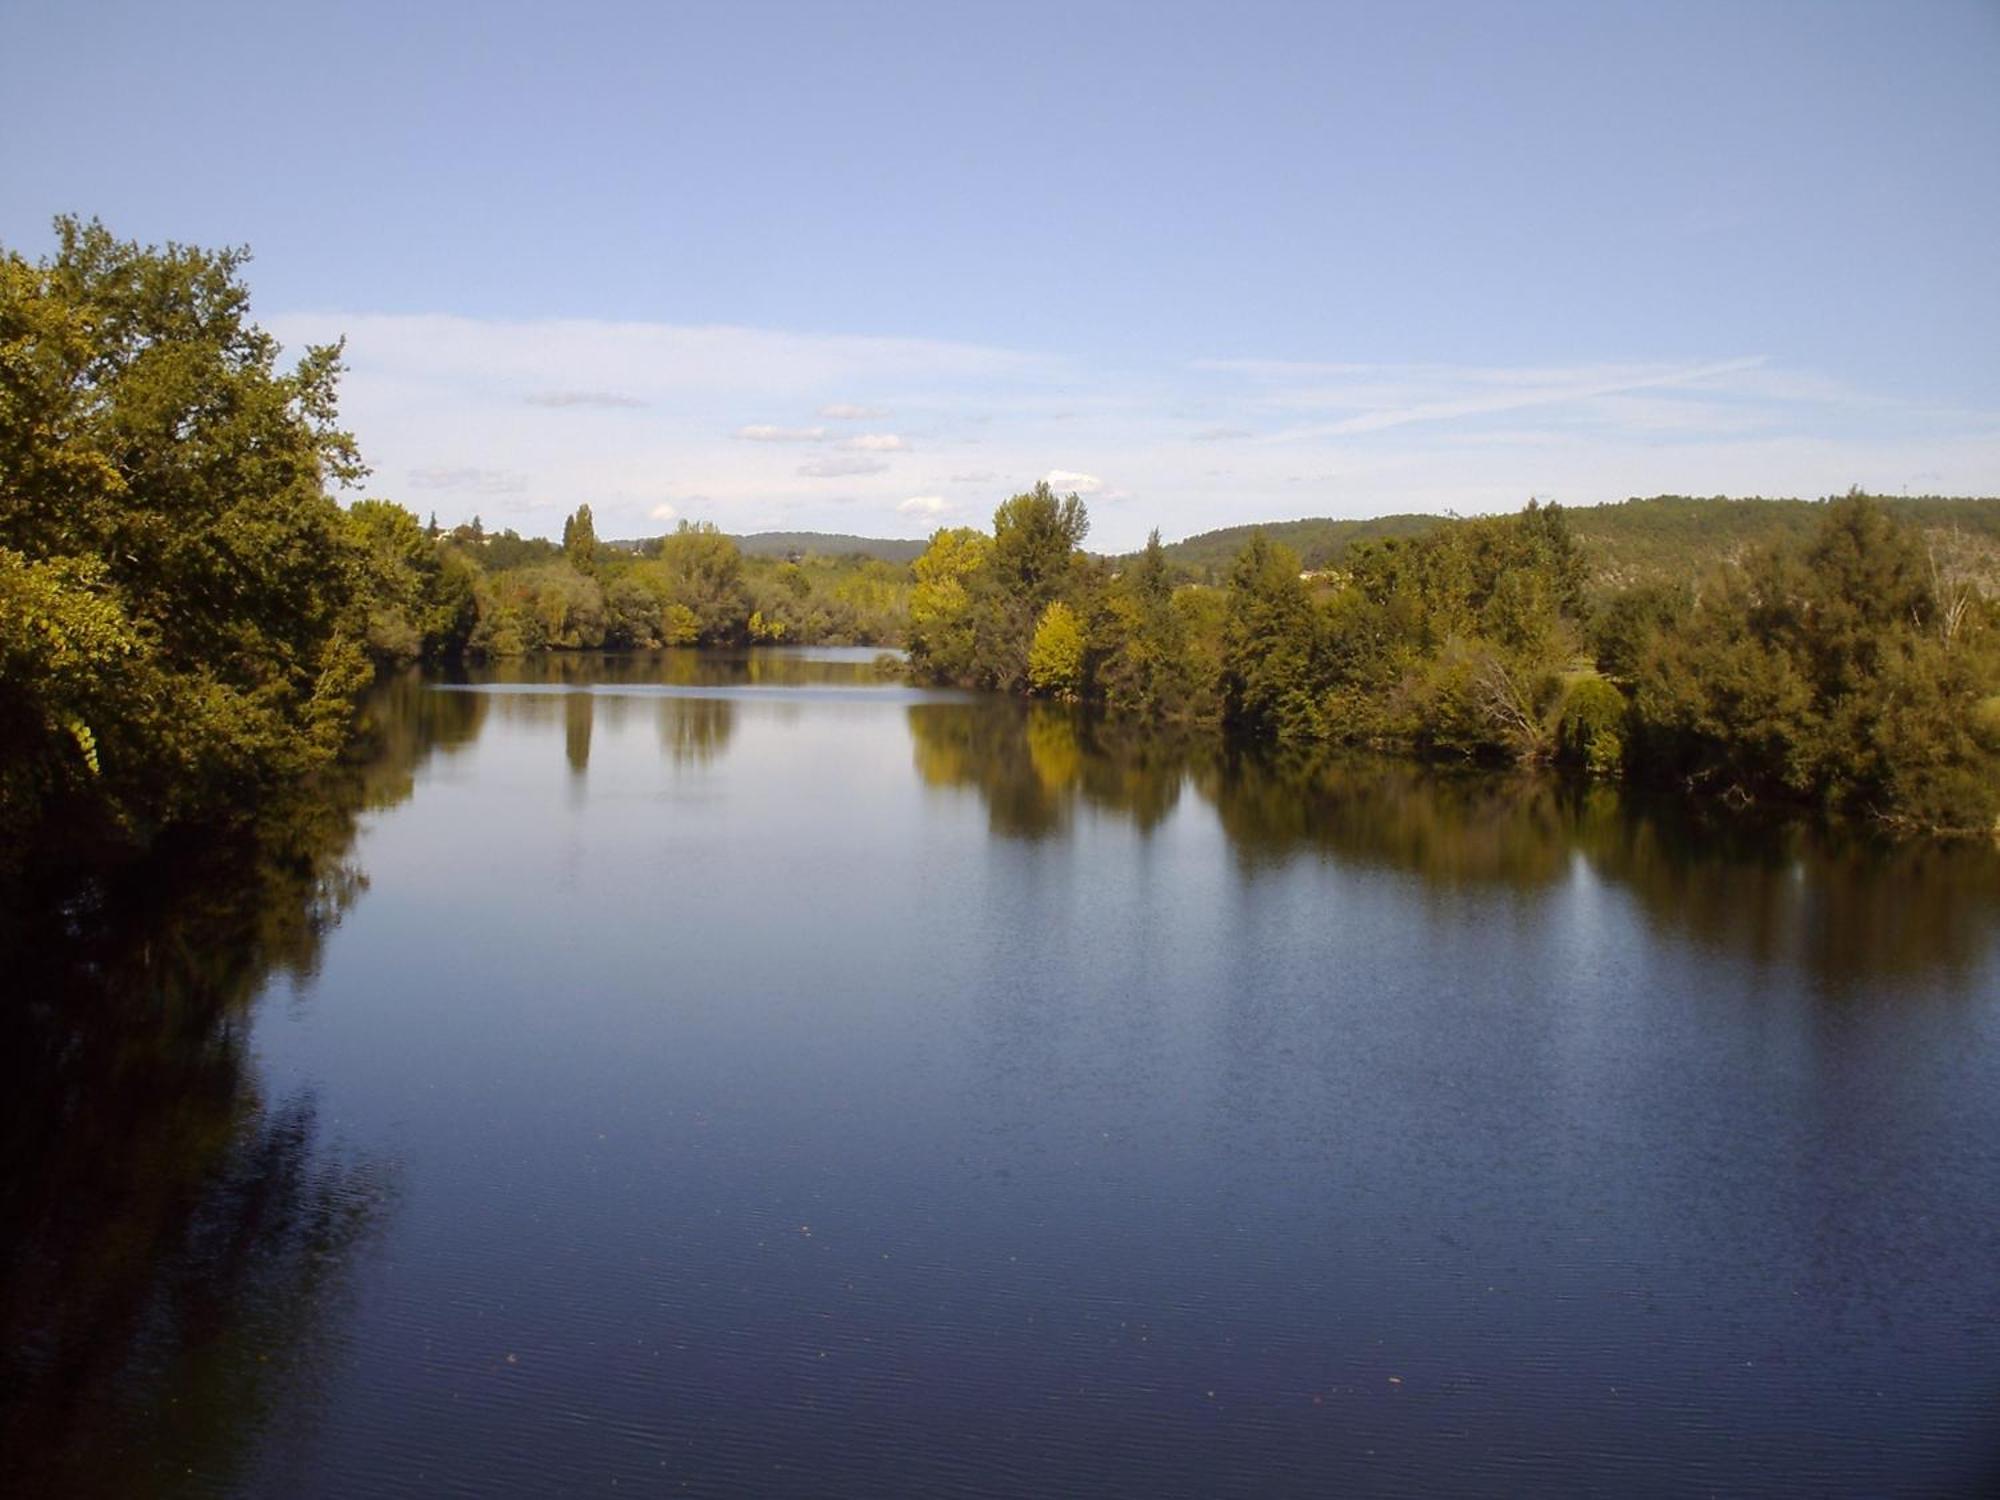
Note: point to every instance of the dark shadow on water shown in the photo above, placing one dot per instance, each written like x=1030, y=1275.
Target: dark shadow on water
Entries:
x=175, y=1244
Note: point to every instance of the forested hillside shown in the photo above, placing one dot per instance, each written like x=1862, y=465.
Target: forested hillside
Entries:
x=1319, y=541
x=1627, y=542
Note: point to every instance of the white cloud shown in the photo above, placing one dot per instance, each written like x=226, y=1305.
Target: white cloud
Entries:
x=874, y=442
x=764, y=433
x=662, y=512
x=835, y=468
x=438, y=406
x=1069, y=481
x=924, y=505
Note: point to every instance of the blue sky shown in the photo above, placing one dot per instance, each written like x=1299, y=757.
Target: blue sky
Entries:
x=870, y=267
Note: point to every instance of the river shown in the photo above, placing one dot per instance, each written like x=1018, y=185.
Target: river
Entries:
x=723, y=1073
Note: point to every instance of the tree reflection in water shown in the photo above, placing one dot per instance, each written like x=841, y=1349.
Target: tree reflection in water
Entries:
x=1031, y=764
x=175, y=1242
x=694, y=731
x=1847, y=906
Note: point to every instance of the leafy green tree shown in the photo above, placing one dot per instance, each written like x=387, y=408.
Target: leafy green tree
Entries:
x=942, y=640
x=579, y=541
x=420, y=596
x=1591, y=730
x=163, y=499
x=679, y=626
x=1055, y=656
x=701, y=569
x=1269, y=644
x=1832, y=672
x=1033, y=536
x=631, y=615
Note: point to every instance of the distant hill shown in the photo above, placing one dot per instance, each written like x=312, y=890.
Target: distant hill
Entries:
x=1320, y=541
x=1665, y=535
x=829, y=544
x=1626, y=541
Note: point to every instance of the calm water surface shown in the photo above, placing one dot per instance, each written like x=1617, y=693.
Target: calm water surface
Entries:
x=743, y=1073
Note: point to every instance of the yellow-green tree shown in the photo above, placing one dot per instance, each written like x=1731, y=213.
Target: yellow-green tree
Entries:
x=941, y=634
x=1055, y=655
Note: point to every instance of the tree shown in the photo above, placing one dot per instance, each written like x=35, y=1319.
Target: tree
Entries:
x=702, y=570
x=941, y=639
x=579, y=541
x=1055, y=656
x=1819, y=671
x=1033, y=536
x=1149, y=576
x=163, y=504
x=1268, y=649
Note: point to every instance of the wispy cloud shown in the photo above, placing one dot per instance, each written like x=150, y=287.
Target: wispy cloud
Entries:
x=847, y=411
x=763, y=433
x=875, y=442
x=1493, y=392
x=468, y=481
x=837, y=468
x=609, y=400
x=924, y=505
x=662, y=512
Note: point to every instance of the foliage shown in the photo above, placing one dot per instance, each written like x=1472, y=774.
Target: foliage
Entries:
x=1831, y=673
x=691, y=586
x=421, y=596
x=700, y=568
x=184, y=625
x=579, y=541
x=941, y=634
x=1033, y=537
x=1590, y=730
x=1055, y=656
x=1855, y=668
x=1269, y=644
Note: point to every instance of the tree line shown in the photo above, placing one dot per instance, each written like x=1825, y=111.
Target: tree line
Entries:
x=437, y=594
x=1855, y=668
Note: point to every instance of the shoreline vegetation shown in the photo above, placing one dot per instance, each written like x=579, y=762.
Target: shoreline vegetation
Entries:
x=189, y=618
x=1853, y=669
